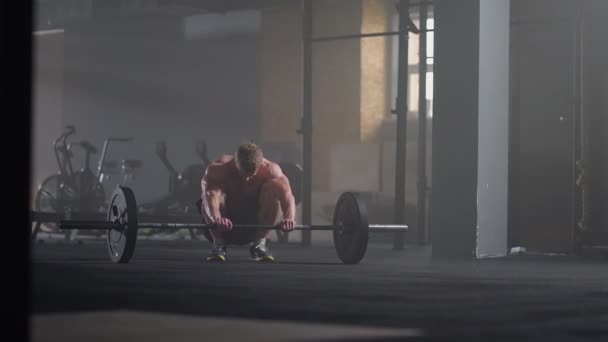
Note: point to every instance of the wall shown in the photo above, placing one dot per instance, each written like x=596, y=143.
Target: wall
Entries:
x=336, y=90
x=142, y=79
x=595, y=113
x=546, y=203
x=350, y=78
x=281, y=90
x=542, y=215
x=350, y=93
x=375, y=68
x=47, y=104
x=354, y=131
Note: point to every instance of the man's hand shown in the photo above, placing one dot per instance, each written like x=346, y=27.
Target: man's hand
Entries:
x=287, y=225
x=223, y=224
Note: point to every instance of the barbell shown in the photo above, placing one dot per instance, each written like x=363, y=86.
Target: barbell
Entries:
x=350, y=226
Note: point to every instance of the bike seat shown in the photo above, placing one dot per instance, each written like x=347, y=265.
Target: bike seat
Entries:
x=88, y=147
x=131, y=163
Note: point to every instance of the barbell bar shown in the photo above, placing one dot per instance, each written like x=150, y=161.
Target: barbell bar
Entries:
x=103, y=225
x=350, y=226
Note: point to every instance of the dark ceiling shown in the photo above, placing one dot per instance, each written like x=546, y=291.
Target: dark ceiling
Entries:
x=217, y=5
x=49, y=14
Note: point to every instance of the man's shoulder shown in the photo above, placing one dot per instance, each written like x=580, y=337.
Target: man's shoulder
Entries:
x=221, y=162
x=223, y=159
x=274, y=169
x=218, y=167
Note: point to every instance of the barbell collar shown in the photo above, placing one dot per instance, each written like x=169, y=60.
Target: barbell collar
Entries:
x=380, y=228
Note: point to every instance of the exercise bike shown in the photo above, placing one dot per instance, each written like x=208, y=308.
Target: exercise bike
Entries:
x=184, y=188
x=70, y=191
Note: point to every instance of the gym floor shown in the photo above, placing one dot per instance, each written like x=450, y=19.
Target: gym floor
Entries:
x=167, y=292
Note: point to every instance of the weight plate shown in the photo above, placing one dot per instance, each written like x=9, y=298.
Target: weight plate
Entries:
x=351, y=229
x=122, y=209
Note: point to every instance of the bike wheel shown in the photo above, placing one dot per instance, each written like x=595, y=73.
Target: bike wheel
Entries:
x=47, y=201
x=51, y=197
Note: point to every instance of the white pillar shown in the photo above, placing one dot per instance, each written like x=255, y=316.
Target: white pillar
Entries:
x=493, y=137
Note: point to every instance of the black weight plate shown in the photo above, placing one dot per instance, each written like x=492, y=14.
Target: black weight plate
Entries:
x=122, y=209
x=351, y=229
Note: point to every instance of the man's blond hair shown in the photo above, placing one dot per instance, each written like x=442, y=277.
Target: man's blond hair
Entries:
x=249, y=157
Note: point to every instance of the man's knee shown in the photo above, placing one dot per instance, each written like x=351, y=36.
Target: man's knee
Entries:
x=270, y=192
x=270, y=208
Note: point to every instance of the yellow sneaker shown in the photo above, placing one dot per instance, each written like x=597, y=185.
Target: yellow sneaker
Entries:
x=217, y=254
x=259, y=252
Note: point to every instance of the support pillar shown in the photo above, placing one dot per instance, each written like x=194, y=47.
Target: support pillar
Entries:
x=470, y=129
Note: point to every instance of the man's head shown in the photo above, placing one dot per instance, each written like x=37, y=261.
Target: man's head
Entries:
x=248, y=159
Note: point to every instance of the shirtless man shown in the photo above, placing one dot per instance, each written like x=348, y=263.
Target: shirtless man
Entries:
x=245, y=188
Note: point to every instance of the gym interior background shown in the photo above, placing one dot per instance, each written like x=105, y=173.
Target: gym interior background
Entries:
x=231, y=71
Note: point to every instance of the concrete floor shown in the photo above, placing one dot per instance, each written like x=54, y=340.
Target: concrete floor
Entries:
x=167, y=292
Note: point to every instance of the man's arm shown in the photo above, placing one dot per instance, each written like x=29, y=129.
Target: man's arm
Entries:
x=212, y=192
x=285, y=195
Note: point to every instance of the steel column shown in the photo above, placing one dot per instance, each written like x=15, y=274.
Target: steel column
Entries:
x=400, y=158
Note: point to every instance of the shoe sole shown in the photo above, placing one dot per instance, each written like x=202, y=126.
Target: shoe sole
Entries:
x=216, y=258
x=264, y=259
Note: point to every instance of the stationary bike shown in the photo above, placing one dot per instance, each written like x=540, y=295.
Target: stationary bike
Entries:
x=184, y=187
x=72, y=191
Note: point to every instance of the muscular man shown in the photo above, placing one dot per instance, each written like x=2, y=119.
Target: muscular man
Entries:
x=245, y=188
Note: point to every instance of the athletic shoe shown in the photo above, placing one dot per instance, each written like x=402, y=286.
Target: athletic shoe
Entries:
x=259, y=252
x=218, y=253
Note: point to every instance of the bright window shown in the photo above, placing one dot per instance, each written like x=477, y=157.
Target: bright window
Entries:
x=413, y=65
